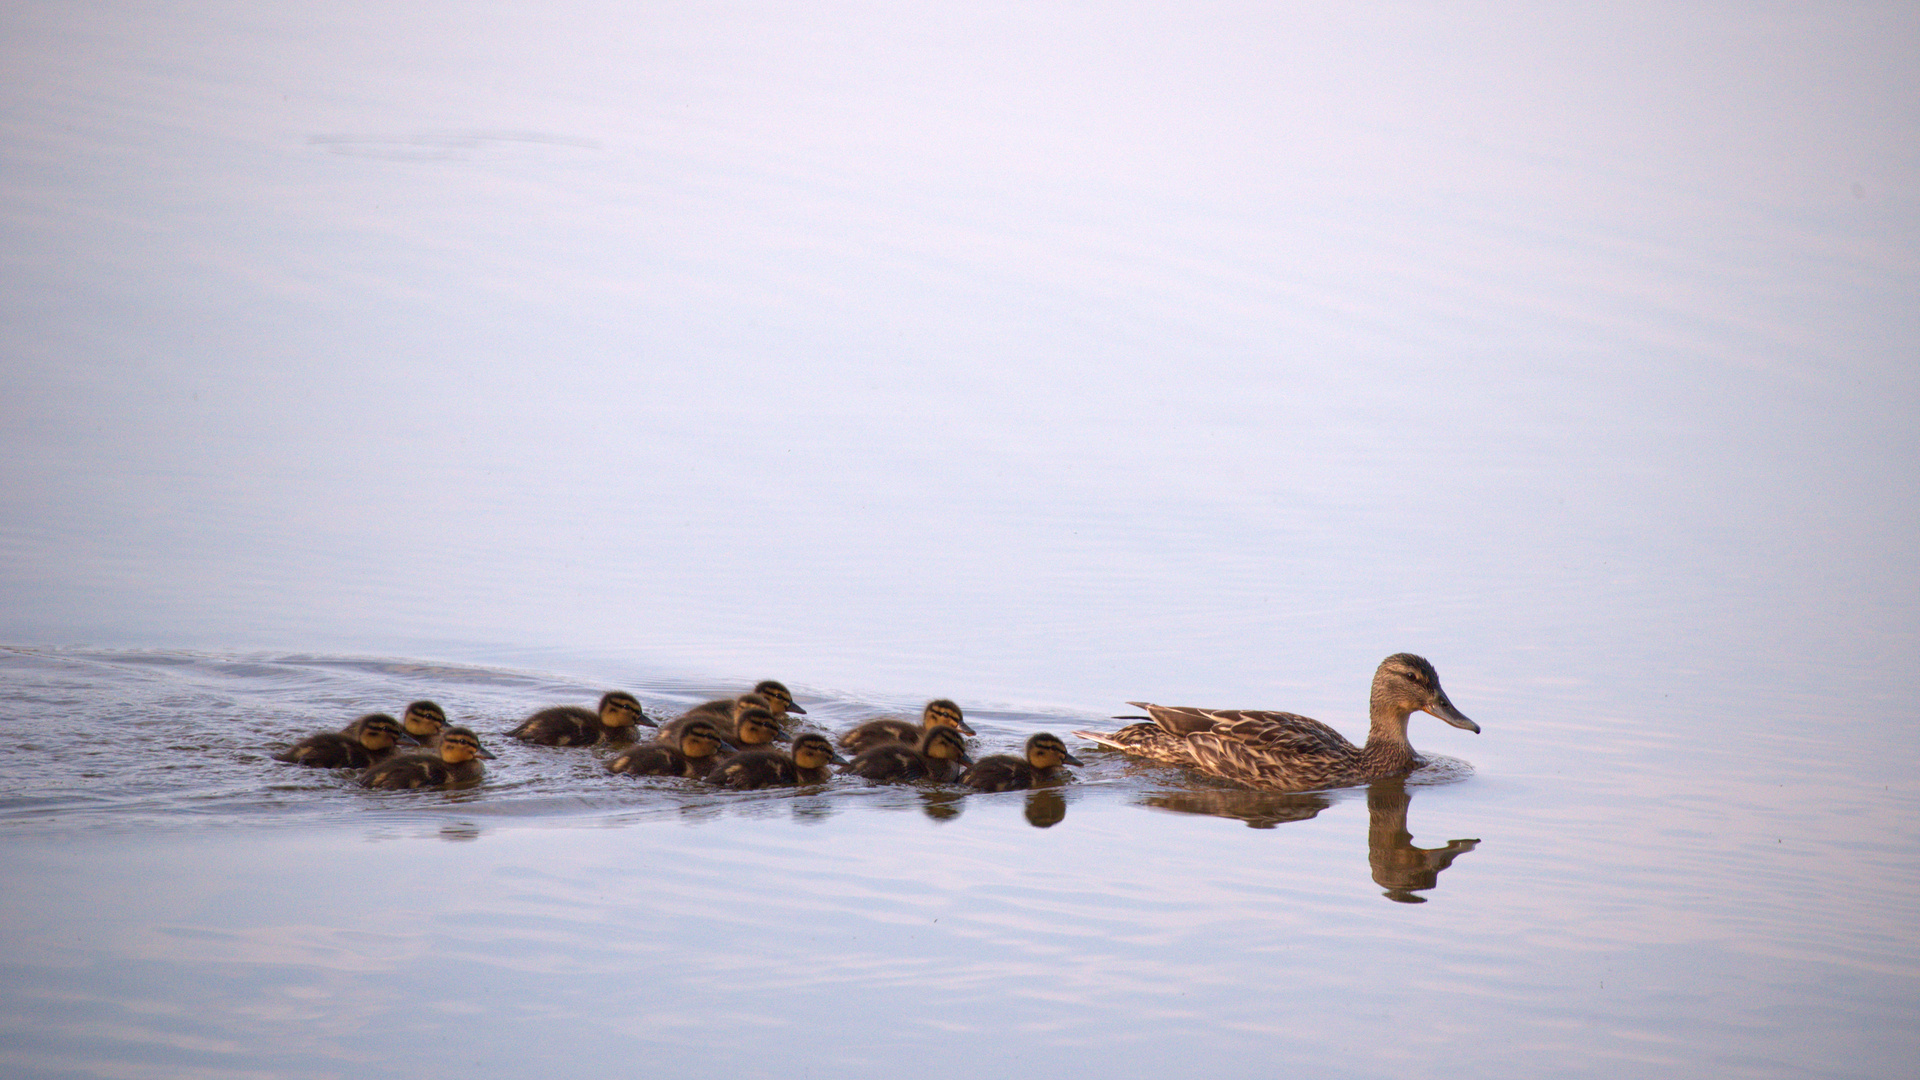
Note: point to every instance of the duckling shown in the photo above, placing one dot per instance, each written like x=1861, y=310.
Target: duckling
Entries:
x=424, y=721
x=363, y=742
x=455, y=765
x=775, y=698
x=751, y=727
x=724, y=715
x=570, y=725
x=1285, y=752
x=751, y=769
x=700, y=744
x=1004, y=772
x=938, y=757
x=939, y=713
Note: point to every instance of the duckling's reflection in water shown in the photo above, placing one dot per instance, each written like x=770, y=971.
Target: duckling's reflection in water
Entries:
x=942, y=806
x=1046, y=807
x=1398, y=867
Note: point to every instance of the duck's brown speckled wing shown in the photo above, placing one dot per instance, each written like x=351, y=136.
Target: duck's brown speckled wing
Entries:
x=1278, y=733
x=1266, y=749
x=1150, y=741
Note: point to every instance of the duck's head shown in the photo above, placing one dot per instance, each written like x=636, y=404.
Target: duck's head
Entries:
x=1405, y=684
x=458, y=744
x=701, y=739
x=1046, y=751
x=757, y=727
x=621, y=709
x=945, y=744
x=812, y=751
x=943, y=713
x=423, y=720
x=779, y=699
x=380, y=732
x=751, y=701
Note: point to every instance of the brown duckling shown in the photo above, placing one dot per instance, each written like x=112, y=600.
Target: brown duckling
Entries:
x=363, y=742
x=774, y=697
x=571, y=725
x=700, y=745
x=939, y=713
x=750, y=769
x=1004, y=772
x=456, y=764
x=750, y=729
x=938, y=757
x=423, y=722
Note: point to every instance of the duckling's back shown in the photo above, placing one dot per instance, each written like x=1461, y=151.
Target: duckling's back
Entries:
x=750, y=769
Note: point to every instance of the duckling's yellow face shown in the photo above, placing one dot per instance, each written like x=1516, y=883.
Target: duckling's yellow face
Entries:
x=701, y=740
x=756, y=727
x=459, y=744
x=379, y=734
x=943, y=713
x=811, y=751
x=1046, y=751
x=779, y=701
x=945, y=744
x=424, y=720
x=622, y=710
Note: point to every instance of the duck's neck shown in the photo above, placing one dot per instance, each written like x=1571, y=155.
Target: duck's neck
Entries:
x=1387, y=749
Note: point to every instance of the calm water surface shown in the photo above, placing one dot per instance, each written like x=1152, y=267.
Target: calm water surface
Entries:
x=179, y=903
x=1044, y=359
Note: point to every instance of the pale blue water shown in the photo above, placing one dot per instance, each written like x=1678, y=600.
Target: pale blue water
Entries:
x=1045, y=360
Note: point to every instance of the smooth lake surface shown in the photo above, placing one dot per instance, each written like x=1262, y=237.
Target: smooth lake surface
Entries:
x=1041, y=358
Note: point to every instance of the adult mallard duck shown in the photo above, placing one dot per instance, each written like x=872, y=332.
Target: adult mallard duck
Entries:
x=1285, y=752
x=455, y=764
x=693, y=757
x=750, y=769
x=571, y=725
x=938, y=757
x=363, y=742
x=1004, y=772
x=939, y=713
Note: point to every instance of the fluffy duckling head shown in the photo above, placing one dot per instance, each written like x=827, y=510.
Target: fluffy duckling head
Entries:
x=1046, y=751
x=945, y=744
x=701, y=739
x=1404, y=684
x=621, y=709
x=757, y=727
x=458, y=744
x=379, y=732
x=779, y=700
x=423, y=720
x=943, y=713
x=812, y=751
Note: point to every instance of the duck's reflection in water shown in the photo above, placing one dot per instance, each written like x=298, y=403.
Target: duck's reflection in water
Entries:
x=1398, y=867
x=1046, y=807
x=813, y=809
x=1259, y=809
x=942, y=806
